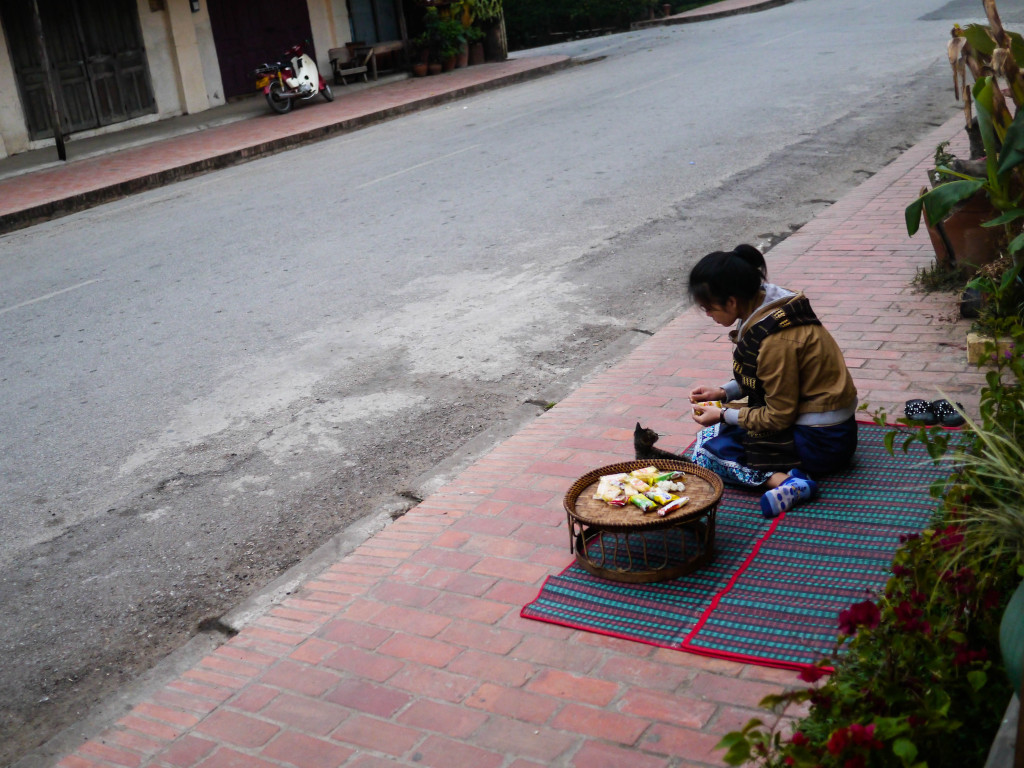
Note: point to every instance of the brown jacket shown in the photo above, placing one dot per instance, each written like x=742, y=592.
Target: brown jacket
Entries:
x=803, y=372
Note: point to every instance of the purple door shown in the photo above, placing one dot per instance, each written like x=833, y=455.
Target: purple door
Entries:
x=248, y=33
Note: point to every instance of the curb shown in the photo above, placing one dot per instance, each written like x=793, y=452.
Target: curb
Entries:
x=709, y=16
x=10, y=222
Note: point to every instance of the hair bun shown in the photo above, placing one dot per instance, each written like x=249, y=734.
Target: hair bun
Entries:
x=753, y=257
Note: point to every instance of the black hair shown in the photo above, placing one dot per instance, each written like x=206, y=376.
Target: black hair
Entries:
x=722, y=274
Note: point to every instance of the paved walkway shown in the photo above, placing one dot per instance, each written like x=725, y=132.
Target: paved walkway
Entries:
x=411, y=651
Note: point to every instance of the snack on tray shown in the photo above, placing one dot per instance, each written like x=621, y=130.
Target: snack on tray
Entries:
x=639, y=500
x=647, y=474
x=659, y=496
x=632, y=488
x=672, y=506
x=610, y=489
x=638, y=485
x=670, y=486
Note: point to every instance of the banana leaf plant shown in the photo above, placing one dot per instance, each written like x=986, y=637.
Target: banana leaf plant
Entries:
x=1002, y=183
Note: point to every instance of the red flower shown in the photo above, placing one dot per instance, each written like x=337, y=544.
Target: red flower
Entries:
x=857, y=761
x=863, y=614
x=838, y=741
x=812, y=674
x=799, y=739
x=865, y=735
x=789, y=761
x=950, y=537
x=901, y=570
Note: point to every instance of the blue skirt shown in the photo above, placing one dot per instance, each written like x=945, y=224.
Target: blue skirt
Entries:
x=822, y=451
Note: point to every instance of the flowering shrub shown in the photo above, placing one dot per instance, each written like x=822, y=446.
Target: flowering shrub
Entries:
x=917, y=678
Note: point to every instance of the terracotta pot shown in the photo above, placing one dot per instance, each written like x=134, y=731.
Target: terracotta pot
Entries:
x=419, y=69
x=961, y=242
x=448, y=64
x=476, y=53
x=434, y=68
x=462, y=60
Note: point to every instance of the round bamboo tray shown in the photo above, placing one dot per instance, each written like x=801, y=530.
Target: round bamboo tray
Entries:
x=627, y=544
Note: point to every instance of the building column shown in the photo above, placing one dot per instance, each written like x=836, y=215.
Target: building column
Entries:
x=186, y=53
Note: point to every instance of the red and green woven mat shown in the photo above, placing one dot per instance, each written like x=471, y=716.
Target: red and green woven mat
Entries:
x=773, y=593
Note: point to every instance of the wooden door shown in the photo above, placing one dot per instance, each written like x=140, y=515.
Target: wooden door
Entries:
x=97, y=56
x=248, y=33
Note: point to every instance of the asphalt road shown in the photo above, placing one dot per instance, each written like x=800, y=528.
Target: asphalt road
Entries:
x=204, y=383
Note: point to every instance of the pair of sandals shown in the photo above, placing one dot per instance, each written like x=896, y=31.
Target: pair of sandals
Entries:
x=936, y=412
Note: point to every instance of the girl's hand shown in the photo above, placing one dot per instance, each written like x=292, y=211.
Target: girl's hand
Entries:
x=704, y=393
x=707, y=416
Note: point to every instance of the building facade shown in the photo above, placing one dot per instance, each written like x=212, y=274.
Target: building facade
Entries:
x=119, y=63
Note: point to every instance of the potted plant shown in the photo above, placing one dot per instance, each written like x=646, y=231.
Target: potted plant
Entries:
x=983, y=192
x=475, y=38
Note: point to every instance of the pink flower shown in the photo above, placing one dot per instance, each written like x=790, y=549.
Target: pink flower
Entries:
x=863, y=614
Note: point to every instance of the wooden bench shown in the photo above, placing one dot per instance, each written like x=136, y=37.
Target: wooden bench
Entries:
x=352, y=60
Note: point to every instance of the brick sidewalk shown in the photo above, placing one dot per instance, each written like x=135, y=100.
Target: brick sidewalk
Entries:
x=410, y=651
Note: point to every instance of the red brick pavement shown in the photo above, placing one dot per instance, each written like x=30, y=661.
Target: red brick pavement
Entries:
x=410, y=651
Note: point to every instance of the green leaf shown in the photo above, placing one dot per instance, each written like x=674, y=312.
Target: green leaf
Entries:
x=905, y=750
x=1016, y=46
x=979, y=39
x=1005, y=218
x=1012, y=153
x=731, y=738
x=977, y=679
x=984, y=103
x=938, y=202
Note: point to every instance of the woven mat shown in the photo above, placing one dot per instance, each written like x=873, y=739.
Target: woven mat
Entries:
x=773, y=593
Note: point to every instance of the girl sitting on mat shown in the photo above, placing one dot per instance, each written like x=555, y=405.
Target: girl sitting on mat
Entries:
x=798, y=421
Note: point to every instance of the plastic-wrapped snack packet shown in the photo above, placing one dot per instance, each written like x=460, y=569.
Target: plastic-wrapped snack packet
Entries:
x=640, y=486
x=665, y=476
x=659, y=496
x=610, y=489
x=647, y=474
x=639, y=500
x=672, y=506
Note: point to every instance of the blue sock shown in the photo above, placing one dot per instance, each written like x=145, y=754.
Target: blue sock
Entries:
x=793, y=491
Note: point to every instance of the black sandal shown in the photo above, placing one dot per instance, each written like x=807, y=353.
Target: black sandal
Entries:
x=947, y=415
x=920, y=411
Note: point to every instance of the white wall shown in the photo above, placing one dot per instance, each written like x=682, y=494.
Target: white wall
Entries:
x=156, y=36
x=13, y=133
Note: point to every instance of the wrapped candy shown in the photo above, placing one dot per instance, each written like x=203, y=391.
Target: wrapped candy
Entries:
x=611, y=490
x=641, y=501
x=647, y=474
x=672, y=506
x=659, y=496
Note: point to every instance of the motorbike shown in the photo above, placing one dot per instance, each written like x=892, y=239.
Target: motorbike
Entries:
x=295, y=77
